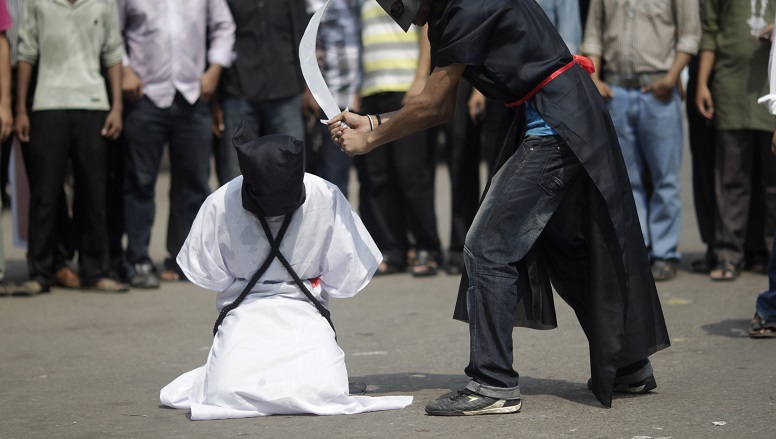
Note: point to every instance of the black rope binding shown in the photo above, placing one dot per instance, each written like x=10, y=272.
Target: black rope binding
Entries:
x=274, y=253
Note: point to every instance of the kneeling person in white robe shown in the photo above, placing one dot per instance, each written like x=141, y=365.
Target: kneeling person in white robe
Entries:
x=275, y=353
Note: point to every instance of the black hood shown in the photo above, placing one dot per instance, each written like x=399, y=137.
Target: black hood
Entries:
x=273, y=172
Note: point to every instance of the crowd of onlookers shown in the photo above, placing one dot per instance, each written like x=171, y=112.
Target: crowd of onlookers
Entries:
x=96, y=90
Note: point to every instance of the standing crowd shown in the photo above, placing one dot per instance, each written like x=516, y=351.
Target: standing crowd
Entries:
x=95, y=90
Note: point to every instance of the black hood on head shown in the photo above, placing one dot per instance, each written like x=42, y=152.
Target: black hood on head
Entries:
x=273, y=172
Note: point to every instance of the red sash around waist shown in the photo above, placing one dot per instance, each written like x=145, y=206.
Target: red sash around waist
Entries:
x=584, y=62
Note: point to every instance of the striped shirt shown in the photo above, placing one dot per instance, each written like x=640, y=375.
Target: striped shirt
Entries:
x=339, y=41
x=640, y=36
x=390, y=56
x=15, y=8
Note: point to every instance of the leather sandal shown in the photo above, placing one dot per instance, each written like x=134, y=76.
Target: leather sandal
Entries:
x=760, y=328
x=425, y=265
x=724, y=271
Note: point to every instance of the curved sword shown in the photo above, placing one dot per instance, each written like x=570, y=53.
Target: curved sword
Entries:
x=310, y=70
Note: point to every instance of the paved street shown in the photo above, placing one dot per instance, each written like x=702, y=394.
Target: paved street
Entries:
x=79, y=364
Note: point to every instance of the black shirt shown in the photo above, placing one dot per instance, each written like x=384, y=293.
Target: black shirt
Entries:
x=267, y=46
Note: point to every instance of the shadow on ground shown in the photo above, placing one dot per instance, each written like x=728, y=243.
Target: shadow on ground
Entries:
x=411, y=382
x=732, y=328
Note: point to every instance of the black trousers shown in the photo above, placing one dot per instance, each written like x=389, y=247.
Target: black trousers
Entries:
x=400, y=188
x=467, y=144
x=57, y=136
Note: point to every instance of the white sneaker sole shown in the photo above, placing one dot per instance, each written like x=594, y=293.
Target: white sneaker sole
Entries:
x=495, y=410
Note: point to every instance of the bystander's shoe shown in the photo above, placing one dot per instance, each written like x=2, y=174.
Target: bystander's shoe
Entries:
x=638, y=388
x=31, y=288
x=67, y=277
x=467, y=403
x=663, y=270
x=144, y=277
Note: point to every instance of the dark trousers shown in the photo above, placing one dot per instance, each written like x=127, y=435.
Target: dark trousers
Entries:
x=739, y=154
x=702, y=136
x=465, y=152
x=401, y=188
x=57, y=136
x=147, y=129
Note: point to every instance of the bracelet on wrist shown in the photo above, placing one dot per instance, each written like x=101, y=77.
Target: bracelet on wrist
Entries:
x=379, y=119
x=371, y=126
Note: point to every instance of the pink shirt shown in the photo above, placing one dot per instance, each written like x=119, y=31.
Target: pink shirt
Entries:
x=5, y=17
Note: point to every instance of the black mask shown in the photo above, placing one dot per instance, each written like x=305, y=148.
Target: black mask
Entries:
x=273, y=172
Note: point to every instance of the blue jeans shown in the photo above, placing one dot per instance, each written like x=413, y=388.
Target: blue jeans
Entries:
x=147, y=129
x=280, y=116
x=650, y=135
x=522, y=198
x=766, y=301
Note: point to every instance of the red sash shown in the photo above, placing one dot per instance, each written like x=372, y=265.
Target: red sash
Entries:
x=584, y=62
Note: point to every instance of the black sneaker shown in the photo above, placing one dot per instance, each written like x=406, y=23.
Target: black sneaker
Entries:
x=640, y=387
x=466, y=403
x=144, y=277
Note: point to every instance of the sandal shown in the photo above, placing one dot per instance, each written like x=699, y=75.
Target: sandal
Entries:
x=30, y=288
x=760, y=328
x=663, y=270
x=724, y=271
x=424, y=265
x=109, y=285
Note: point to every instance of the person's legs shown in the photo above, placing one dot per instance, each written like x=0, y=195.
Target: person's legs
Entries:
x=145, y=134
x=384, y=197
x=414, y=164
x=522, y=198
x=733, y=186
x=767, y=183
x=702, y=135
x=463, y=160
x=90, y=168
x=624, y=109
x=47, y=158
x=764, y=322
x=189, y=170
x=660, y=138
x=284, y=116
x=236, y=110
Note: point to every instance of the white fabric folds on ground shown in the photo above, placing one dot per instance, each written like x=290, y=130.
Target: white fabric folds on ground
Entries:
x=275, y=353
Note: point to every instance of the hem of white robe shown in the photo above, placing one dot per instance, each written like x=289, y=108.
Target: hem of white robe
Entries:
x=176, y=395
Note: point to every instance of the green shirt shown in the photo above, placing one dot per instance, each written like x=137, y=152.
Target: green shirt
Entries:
x=740, y=66
x=70, y=43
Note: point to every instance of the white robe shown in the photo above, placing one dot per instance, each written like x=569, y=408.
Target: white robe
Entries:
x=275, y=353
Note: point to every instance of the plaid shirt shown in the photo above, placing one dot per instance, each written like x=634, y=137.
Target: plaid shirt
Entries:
x=339, y=42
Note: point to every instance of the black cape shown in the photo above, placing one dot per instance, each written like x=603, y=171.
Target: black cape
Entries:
x=509, y=48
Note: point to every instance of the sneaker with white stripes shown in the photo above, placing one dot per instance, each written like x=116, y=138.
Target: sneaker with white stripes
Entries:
x=467, y=403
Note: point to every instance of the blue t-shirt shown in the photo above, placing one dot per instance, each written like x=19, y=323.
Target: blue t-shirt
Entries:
x=537, y=126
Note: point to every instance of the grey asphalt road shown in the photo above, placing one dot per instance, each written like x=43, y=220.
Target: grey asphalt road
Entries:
x=77, y=364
